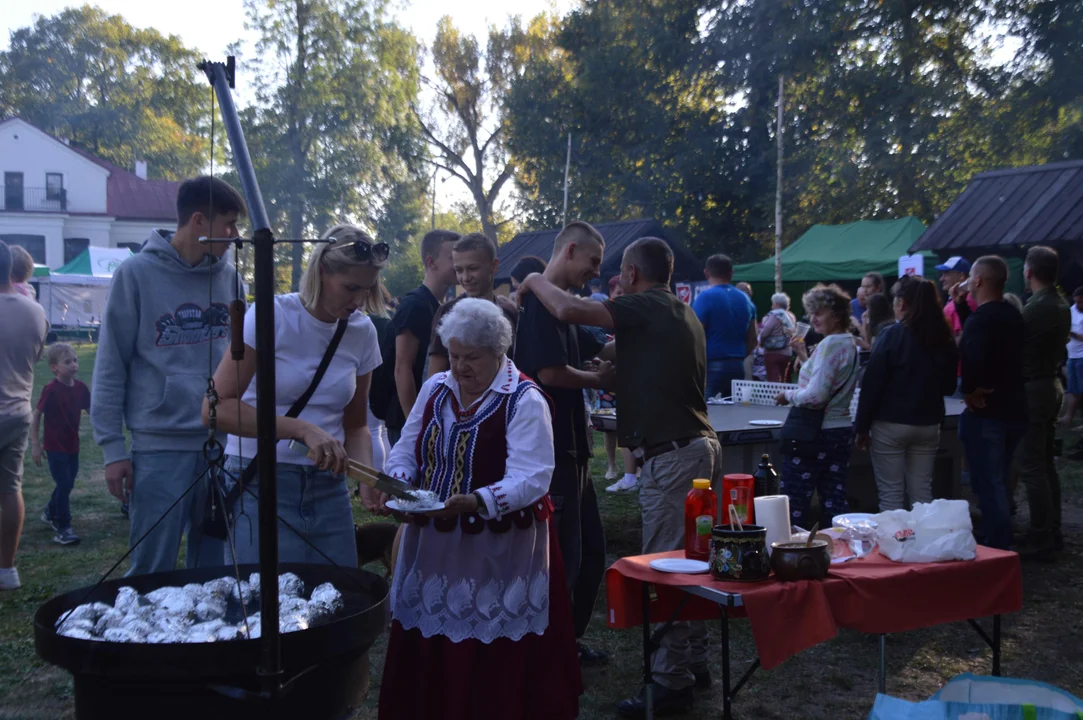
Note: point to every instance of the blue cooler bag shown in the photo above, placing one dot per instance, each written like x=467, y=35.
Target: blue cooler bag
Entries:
x=976, y=697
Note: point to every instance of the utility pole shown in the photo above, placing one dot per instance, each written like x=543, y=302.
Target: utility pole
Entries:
x=567, y=163
x=778, y=192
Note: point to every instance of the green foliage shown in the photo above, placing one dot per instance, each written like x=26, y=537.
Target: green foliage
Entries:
x=629, y=82
x=121, y=93
x=891, y=107
x=332, y=134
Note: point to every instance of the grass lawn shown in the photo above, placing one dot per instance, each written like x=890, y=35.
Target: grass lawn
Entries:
x=833, y=680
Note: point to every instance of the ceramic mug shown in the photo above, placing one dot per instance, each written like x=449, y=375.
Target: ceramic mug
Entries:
x=739, y=555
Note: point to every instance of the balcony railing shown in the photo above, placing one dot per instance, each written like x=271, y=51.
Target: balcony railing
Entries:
x=30, y=199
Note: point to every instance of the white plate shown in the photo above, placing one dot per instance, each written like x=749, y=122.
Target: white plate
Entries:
x=393, y=504
x=765, y=423
x=683, y=566
x=848, y=519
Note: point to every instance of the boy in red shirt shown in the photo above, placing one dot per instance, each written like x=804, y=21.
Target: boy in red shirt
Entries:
x=62, y=402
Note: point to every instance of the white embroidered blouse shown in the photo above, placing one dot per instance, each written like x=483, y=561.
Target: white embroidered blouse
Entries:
x=486, y=585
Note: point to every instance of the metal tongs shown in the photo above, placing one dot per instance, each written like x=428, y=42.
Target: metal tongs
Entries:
x=369, y=476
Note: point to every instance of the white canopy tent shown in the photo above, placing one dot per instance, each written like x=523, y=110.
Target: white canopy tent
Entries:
x=74, y=295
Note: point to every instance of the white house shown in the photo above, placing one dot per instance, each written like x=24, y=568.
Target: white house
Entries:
x=59, y=200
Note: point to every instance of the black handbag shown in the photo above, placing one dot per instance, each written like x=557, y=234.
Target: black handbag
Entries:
x=803, y=424
x=218, y=514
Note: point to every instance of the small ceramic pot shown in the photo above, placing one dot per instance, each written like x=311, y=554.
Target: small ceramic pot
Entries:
x=795, y=561
x=739, y=554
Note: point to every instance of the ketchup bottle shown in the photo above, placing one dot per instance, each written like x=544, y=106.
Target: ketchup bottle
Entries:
x=700, y=516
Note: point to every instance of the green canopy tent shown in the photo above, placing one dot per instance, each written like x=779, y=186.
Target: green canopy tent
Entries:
x=836, y=253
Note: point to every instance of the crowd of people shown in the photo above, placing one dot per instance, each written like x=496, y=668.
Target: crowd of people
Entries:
x=482, y=400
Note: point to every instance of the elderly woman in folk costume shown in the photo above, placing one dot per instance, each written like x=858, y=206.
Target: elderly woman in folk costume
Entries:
x=481, y=621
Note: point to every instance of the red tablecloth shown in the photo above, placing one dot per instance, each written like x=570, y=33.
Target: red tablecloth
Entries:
x=872, y=595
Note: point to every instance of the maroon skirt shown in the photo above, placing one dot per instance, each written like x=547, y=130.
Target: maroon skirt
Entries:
x=535, y=678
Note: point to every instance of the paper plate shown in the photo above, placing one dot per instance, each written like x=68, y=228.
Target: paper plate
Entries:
x=683, y=566
x=765, y=423
x=393, y=504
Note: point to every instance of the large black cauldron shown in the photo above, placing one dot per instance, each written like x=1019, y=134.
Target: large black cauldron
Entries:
x=324, y=667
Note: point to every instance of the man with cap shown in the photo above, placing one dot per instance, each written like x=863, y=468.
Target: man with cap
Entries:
x=953, y=271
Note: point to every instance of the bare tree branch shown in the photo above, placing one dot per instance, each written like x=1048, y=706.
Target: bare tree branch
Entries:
x=502, y=178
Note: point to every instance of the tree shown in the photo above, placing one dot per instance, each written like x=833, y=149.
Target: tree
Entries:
x=333, y=132
x=118, y=92
x=1046, y=84
x=646, y=145
x=471, y=88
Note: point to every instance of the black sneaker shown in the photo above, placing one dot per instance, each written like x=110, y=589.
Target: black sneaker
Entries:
x=591, y=658
x=666, y=702
x=66, y=536
x=48, y=520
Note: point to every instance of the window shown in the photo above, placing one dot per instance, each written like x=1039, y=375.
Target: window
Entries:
x=73, y=248
x=13, y=191
x=54, y=186
x=34, y=244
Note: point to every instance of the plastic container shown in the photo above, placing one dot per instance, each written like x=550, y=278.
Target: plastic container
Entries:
x=700, y=515
x=738, y=490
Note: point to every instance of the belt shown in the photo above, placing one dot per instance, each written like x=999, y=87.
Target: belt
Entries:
x=654, y=451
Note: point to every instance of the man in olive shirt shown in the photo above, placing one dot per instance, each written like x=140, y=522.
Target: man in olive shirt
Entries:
x=661, y=353
x=1048, y=320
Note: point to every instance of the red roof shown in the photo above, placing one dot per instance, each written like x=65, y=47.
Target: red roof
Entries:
x=128, y=196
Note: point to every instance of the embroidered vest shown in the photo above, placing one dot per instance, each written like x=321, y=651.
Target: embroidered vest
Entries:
x=474, y=455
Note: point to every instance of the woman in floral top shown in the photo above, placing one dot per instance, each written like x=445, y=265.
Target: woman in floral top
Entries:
x=827, y=380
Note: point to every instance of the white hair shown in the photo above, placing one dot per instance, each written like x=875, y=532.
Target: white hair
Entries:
x=781, y=299
x=476, y=323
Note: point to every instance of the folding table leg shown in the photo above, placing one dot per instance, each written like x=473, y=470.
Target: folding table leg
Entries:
x=996, y=646
x=883, y=664
x=727, y=710
x=647, y=675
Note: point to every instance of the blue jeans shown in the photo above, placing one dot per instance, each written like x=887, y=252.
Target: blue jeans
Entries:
x=63, y=467
x=315, y=502
x=1074, y=371
x=990, y=444
x=160, y=478
x=722, y=373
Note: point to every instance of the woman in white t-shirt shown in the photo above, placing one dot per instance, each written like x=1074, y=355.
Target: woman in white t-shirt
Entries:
x=312, y=493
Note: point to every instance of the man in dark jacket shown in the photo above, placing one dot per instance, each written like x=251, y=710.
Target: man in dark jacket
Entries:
x=995, y=419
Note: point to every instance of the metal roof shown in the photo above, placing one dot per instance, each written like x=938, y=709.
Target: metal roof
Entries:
x=1035, y=205
x=618, y=236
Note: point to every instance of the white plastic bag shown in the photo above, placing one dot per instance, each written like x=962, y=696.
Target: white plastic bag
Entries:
x=933, y=532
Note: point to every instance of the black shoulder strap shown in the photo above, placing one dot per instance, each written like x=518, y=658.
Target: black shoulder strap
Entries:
x=299, y=404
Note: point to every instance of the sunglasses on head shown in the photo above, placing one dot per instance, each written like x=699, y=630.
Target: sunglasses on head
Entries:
x=365, y=251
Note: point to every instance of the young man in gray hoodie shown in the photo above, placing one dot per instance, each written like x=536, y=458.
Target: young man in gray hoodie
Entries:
x=166, y=326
